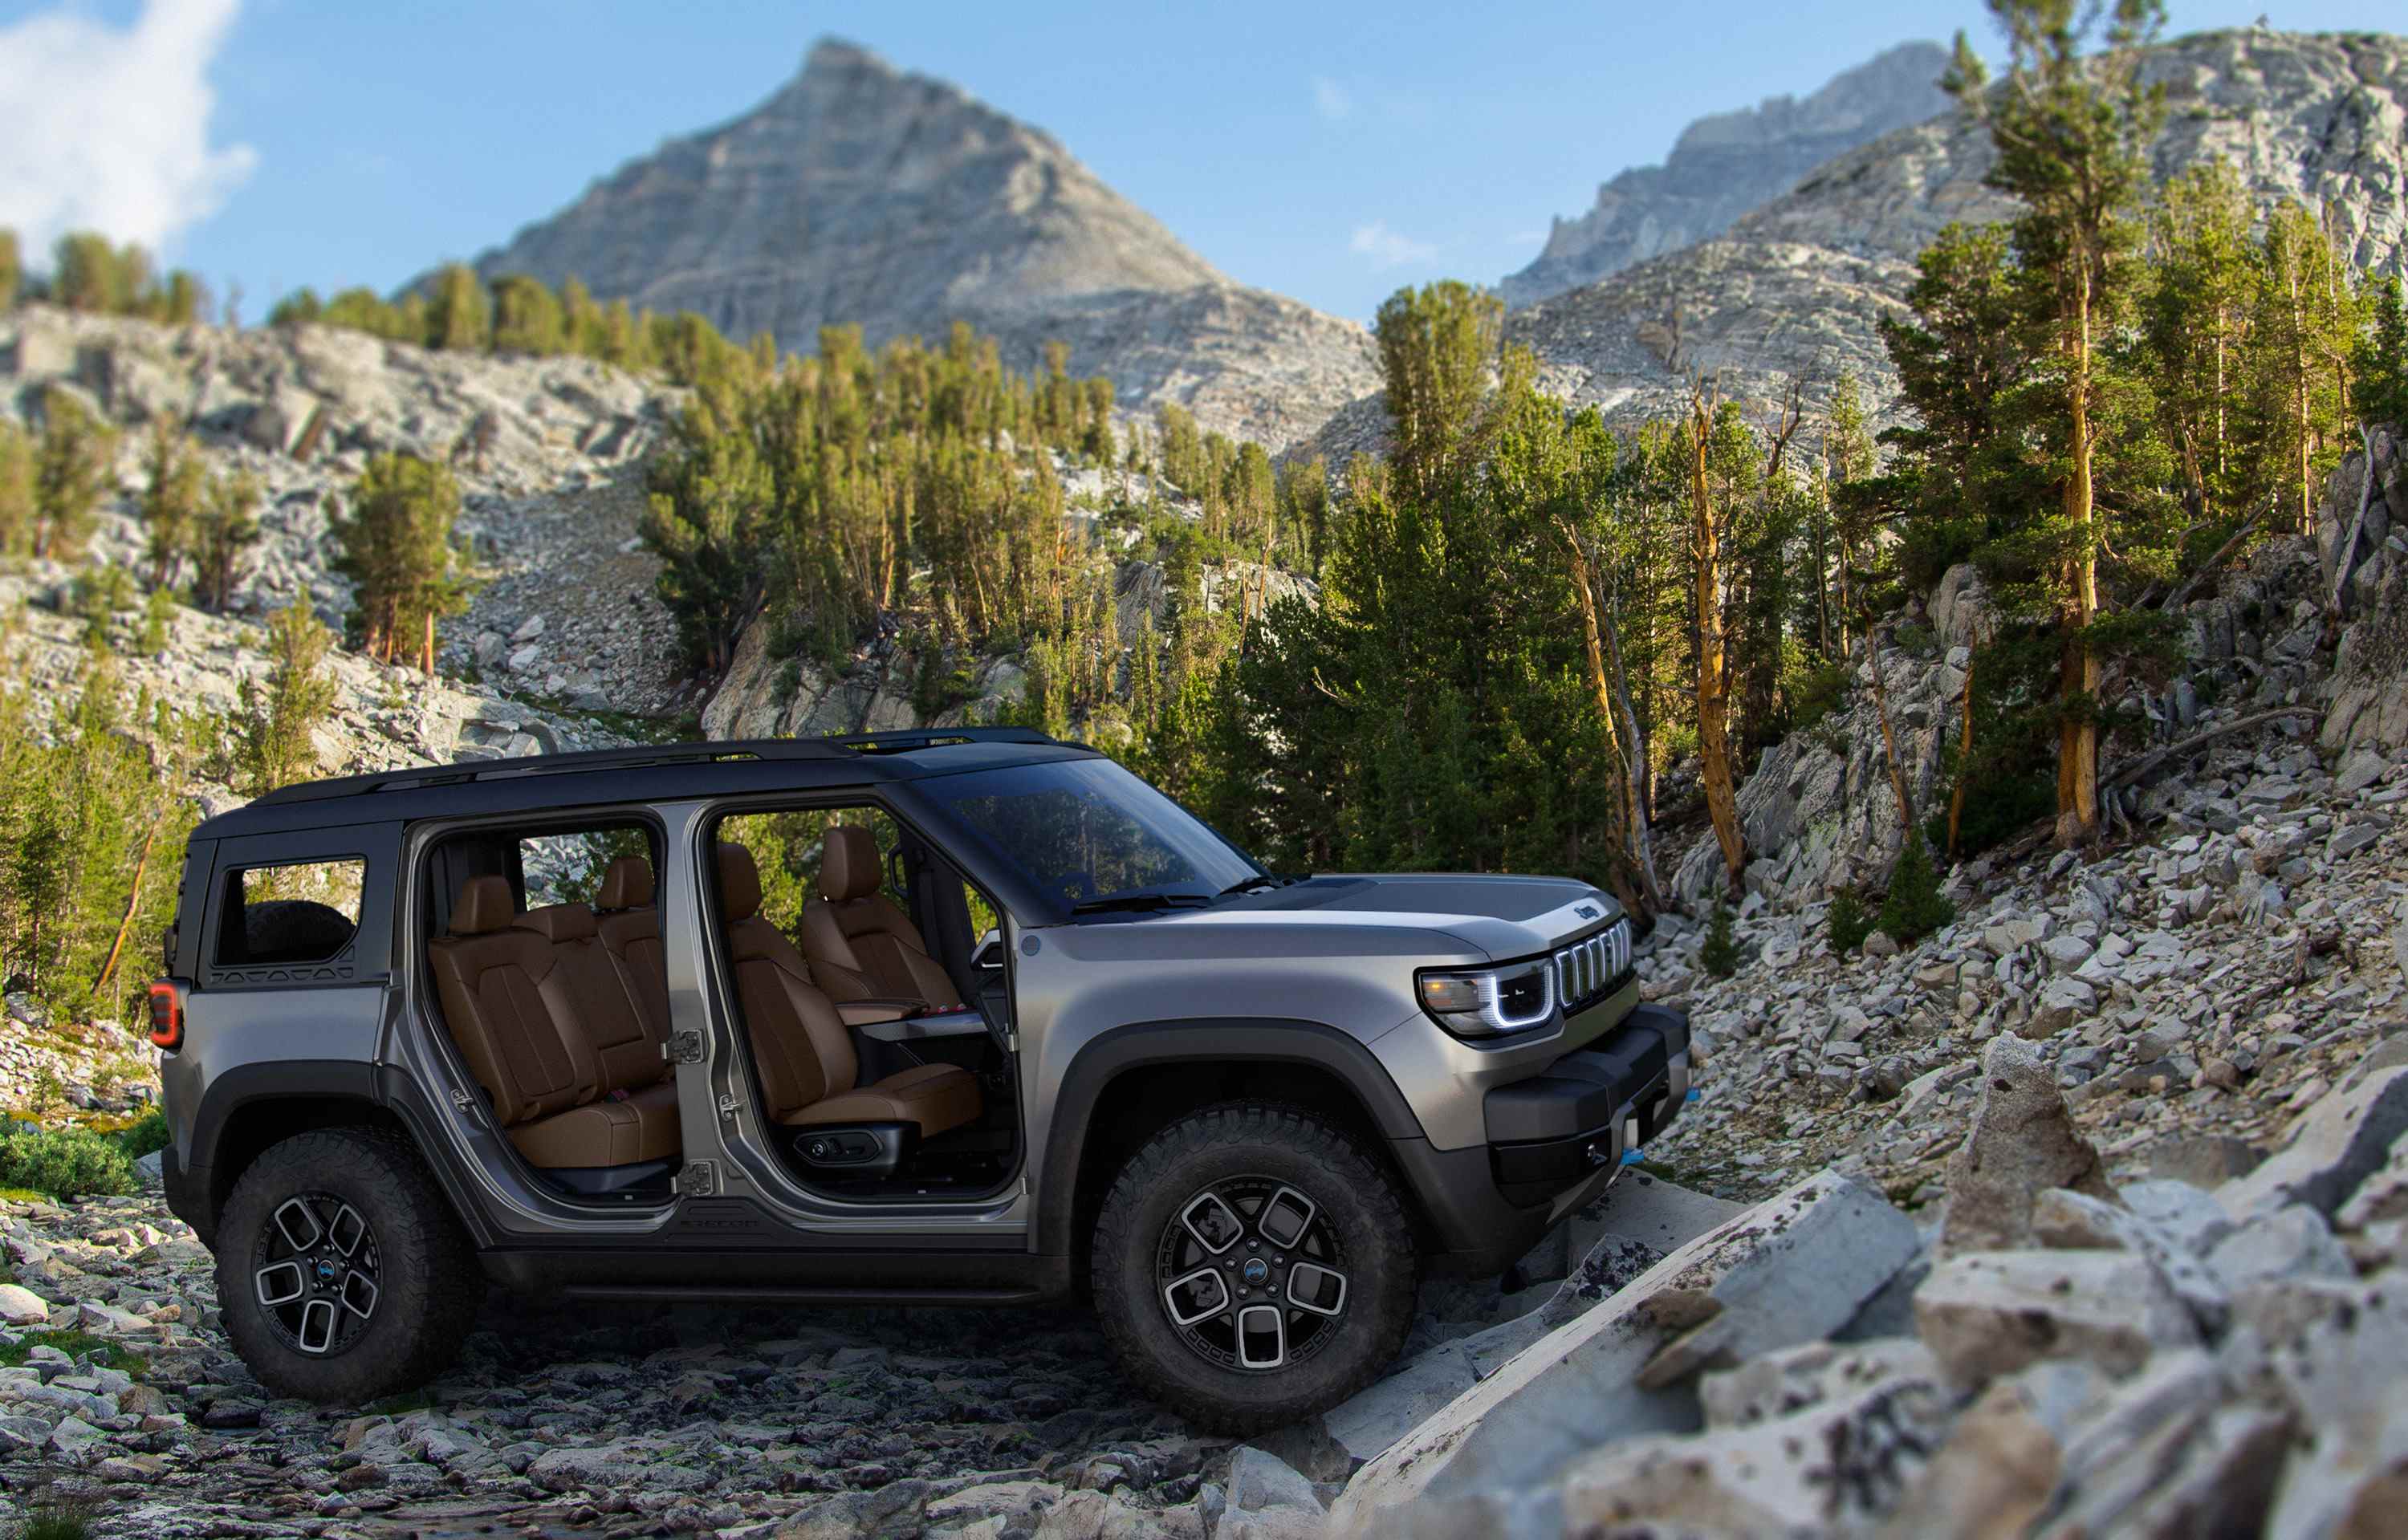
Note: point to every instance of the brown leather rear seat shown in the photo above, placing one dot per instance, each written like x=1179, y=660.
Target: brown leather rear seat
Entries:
x=801, y=1047
x=630, y=929
x=549, y=1029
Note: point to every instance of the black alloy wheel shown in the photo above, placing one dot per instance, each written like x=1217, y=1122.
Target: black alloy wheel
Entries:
x=315, y=1274
x=1252, y=1275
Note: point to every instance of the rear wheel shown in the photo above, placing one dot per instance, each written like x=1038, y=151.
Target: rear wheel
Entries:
x=1253, y=1265
x=342, y=1275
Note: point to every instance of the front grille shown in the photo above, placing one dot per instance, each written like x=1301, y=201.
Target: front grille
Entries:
x=1594, y=967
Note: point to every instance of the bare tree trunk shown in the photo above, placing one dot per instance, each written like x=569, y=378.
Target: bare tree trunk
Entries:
x=1713, y=727
x=1889, y=739
x=2077, y=782
x=133, y=904
x=2348, y=548
x=1643, y=842
x=1964, y=757
x=1630, y=819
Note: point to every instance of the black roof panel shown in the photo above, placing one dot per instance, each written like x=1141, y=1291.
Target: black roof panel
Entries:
x=641, y=773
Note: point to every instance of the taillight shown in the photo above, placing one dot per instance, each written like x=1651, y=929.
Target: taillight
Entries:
x=167, y=1014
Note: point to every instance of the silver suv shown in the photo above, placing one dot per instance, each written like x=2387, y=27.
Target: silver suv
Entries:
x=964, y=1017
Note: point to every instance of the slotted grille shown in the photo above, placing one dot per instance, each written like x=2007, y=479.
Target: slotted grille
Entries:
x=1592, y=966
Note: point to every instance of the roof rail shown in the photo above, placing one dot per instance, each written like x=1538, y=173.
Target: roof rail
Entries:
x=632, y=758
x=907, y=739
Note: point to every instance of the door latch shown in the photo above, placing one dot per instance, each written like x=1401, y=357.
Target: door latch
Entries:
x=728, y=1106
x=462, y=1100
x=683, y=1048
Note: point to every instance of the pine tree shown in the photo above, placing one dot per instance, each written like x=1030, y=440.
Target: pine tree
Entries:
x=17, y=496
x=2194, y=317
x=273, y=719
x=711, y=494
x=582, y=328
x=458, y=319
x=1718, y=954
x=224, y=529
x=181, y=302
x=1915, y=906
x=2305, y=329
x=1850, y=924
x=84, y=274
x=72, y=473
x=2070, y=132
x=2383, y=359
x=1438, y=345
x=12, y=270
x=527, y=319
x=176, y=487
x=300, y=307
x=395, y=547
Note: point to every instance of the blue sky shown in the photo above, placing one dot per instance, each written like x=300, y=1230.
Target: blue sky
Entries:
x=1328, y=151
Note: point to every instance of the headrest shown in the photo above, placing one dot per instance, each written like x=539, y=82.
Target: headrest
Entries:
x=848, y=863
x=626, y=884
x=558, y=922
x=739, y=884
x=485, y=904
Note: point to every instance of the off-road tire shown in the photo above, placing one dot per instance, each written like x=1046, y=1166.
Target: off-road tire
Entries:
x=1294, y=1146
x=429, y=1280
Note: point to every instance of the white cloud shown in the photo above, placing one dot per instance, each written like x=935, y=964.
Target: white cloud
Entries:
x=107, y=130
x=1330, y=99
x=1388, y=249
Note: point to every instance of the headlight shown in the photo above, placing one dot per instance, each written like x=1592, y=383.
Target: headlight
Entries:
x=1492, y=1001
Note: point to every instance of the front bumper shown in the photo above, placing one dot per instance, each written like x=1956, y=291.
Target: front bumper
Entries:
x=1555, y=1139
x=1590, y=1108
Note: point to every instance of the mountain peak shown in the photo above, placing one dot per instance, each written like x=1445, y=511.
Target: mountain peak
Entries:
x=841, y=55
x=863, y=194
x=1726, y=164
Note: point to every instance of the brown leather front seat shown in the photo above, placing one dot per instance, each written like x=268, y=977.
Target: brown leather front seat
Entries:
x=802, y=1048
x=558, y=1044
x=860, y=945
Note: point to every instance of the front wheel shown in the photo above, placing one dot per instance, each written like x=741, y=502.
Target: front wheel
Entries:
x=1253, y=1266
x=342, y=1275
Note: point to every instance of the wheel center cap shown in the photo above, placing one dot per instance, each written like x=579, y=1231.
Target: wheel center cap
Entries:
x=325, y=1270
x=1256, y=1271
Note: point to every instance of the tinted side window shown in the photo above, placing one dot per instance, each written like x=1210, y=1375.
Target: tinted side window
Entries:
x=299, y=912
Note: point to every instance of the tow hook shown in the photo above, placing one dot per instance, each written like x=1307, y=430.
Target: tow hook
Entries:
x=1597, y=1152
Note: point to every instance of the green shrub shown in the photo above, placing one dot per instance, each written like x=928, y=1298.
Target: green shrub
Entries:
x=1850, y=923
x=1815, y=690
x=64, y=1163
x=143, y=1136
x=1719, y=956
x=1915, y=906
x=52, y=1524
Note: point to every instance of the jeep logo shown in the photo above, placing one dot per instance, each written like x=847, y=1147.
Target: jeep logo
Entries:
x=1587, y=911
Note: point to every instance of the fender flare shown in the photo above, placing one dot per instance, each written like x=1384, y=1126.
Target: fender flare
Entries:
x=1217, y=1039
x=240, y=1086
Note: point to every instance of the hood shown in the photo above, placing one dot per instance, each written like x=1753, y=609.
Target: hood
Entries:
x=1501, y=917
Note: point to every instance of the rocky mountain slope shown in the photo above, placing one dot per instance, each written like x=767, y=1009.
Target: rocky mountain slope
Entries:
x=860, y=194
x=545, y=658
x=1728, y=163
x=1793, y=288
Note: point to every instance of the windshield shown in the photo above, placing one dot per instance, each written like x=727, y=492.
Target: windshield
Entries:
x=1086, y=832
